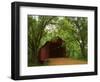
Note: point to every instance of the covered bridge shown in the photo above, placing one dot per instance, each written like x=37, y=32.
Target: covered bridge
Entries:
x=52, y=49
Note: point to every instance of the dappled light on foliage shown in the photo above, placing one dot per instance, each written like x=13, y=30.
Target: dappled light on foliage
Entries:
x=71, y=30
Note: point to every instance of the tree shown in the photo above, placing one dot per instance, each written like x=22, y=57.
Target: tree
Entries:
x=36, y=26
x=74, y=31
x=80, y=34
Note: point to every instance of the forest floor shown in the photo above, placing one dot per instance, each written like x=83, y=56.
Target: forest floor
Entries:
x=65, y=61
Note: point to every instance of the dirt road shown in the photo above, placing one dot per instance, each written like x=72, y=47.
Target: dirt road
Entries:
x=65, y=61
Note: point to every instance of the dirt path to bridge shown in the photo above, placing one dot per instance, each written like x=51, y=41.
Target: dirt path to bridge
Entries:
x=65, y=61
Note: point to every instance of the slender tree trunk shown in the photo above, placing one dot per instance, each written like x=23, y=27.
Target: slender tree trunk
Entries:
x=35, y=55
x=83, y=50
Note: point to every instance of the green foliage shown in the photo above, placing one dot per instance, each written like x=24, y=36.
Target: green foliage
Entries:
x=36, y=26
x=73, y=30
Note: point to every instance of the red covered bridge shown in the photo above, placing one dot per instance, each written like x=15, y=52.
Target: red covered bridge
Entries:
x=52, y=49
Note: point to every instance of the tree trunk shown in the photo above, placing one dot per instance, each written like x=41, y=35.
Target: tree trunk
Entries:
x=83, y=50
